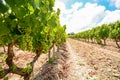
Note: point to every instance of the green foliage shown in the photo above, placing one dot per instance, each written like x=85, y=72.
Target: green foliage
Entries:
x=14, y=67
x=25, y=42
x=103, y=32
x=60, y=35
x=98, y=41
x=115, y=30
x=1, y=68
x=28, y=69
x=2, y=56
x=100, y=33
x=3, y=29
x=30, y=24
x=1, y=71
x=3, y=7
x=6, y=78
x=51, y=60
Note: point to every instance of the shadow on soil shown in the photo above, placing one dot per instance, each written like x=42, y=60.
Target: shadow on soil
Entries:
x=56, y=70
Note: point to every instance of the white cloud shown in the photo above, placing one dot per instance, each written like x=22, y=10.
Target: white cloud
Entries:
x=62, y=1
x=85, y=17
x=111, y=16
x=81, y=17
x=59, y=4
x=77, y=5
x=116, y=3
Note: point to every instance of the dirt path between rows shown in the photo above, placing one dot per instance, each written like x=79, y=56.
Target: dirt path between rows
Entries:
x=78, y=67
x=89, y=62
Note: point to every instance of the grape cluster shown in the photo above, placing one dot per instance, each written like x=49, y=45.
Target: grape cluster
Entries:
x=25, y=42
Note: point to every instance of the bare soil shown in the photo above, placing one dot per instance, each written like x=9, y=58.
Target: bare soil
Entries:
x=99, y=63
x=76, y=60
x=57, y=70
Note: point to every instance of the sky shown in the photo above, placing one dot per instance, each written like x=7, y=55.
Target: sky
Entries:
x=80, y=15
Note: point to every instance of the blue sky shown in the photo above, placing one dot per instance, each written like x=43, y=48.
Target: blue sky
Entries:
x=79, y=15
x=105, y=3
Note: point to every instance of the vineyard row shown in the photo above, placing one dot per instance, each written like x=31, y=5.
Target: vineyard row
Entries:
x=101, y=33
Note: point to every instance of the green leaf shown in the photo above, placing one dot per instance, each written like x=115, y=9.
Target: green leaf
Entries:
x=31, y=9
x=52, y=22
x=14, y=67
x=20, y=2
x=3, y=29
x=37, y=3
x=6, y=78
x=11, y=3
x=3, y=7
x=20, y=11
